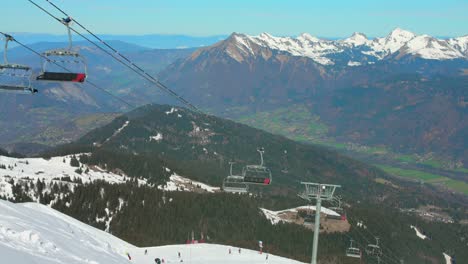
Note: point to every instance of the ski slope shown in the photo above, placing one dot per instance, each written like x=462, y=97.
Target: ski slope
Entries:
x=34, y=233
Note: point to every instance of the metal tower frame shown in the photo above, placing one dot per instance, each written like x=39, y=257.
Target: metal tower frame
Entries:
x=318, y=192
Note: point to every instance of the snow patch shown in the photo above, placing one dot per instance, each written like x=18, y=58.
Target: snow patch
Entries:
x=354, y=63
x=418, y=233
x=53, y=170
x=179, y=183
x=173, y=110
x=158, y=137
x=118, y=131
x=448, y=258
x=274, y=216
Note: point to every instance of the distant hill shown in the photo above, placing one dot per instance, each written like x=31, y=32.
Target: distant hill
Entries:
x=153, y=41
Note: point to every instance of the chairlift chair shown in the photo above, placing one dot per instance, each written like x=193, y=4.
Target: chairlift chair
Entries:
x=374, y=249
x=14, y=78
x=257, y=174
x=63, y=65
x=234, y=183
x=353, y=252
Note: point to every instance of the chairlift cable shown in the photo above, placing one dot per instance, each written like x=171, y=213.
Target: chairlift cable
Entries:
x=140, y=71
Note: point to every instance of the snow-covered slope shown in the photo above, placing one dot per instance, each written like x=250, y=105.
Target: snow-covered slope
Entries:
x=33, y=233
x=428, y=47
x=325, y=51
x=357, y=39
x=56, y=169
x=461, y=44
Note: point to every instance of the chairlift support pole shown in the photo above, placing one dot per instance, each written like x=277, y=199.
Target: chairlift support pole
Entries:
x=318, y=192
x=66, y=22
x=230, y=169
x=5, y=58
x=261, y=151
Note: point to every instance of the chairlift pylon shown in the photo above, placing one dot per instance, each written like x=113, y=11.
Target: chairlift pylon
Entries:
x=56, y=63
x=14, y=78
x=353, y=252
x=257, y=174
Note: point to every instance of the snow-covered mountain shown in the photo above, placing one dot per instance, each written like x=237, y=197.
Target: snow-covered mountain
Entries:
x=34, y=233
x=325, y=51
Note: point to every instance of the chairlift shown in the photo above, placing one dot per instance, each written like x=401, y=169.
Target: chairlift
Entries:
x=63, y=65
x=234, y=183
x=337, y=206
x=374, y=249
x=14, y=78
x=353, y=252
x=257, y=174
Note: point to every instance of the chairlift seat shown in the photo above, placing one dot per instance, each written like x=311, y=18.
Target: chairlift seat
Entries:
x=353, y=252
x=62, y=77
x=234, y=184
x=373, y=250
x=16, y=78
x=256, y=174
x=17, y=89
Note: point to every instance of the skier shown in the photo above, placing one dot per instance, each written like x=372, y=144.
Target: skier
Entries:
x=239, y=250
x=146, y=252
x=128, y=255
x=229, y=250
x=179, y=253
x=266, y=257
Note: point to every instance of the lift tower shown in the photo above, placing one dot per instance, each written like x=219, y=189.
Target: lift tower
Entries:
x=318, y=192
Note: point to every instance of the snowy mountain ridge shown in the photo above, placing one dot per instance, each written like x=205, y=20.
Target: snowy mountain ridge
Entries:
x=323, y=51
x=34, y=233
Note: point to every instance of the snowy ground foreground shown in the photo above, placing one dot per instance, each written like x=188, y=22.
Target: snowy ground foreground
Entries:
x=34, y=233
x=275, y=216
x=179, y=183
x=419, y=234
x=448, y=259
x=31, y=169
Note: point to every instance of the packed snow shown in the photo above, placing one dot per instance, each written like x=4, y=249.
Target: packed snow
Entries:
x=319, y=50
x=418, y=233
x=275, y=218
x=33, y=233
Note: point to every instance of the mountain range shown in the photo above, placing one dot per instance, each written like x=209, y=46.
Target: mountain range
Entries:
x=357, y=48
x=403, y=91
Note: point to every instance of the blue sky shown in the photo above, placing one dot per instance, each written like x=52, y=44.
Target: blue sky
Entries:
x=327, y=18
